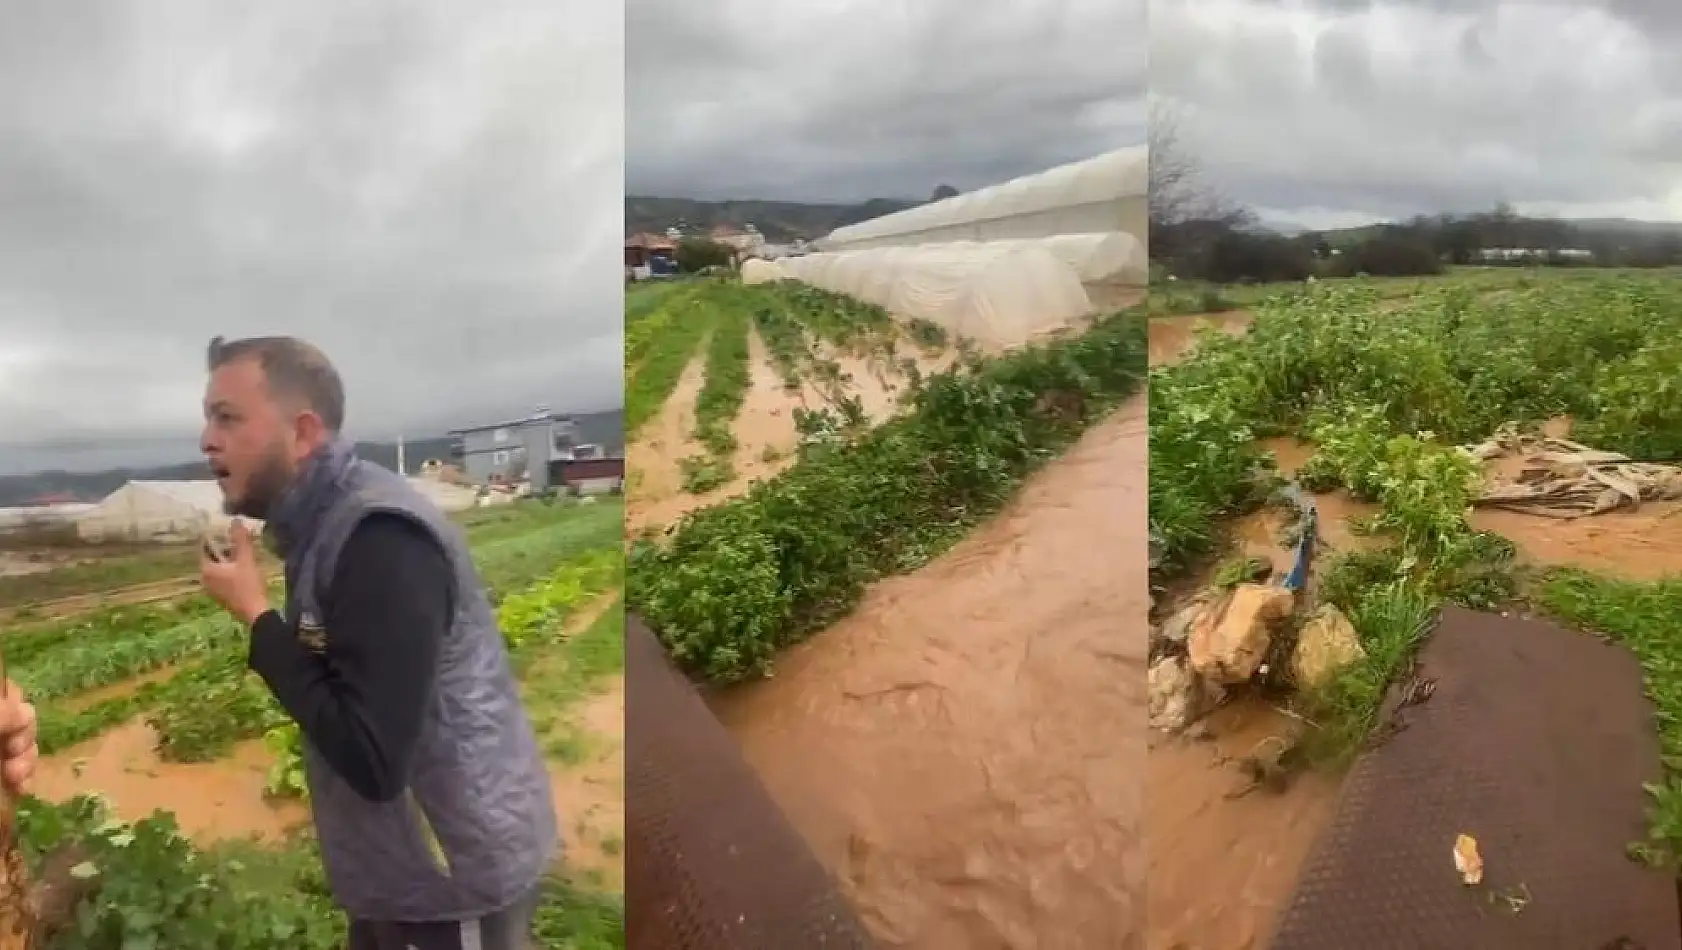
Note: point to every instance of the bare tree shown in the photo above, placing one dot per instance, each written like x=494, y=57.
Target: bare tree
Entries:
x=1178, y=193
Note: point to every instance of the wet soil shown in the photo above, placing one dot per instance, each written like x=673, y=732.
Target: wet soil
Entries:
x=764, y=427
x=590, y=795
x=1636, y=544
x=652, y=458
x=963, y=751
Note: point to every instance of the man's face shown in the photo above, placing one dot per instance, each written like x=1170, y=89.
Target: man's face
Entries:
x=250, y=439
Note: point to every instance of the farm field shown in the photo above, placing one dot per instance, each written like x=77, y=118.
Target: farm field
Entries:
x=176, y=774
x=1408, y=419
x=890, y=538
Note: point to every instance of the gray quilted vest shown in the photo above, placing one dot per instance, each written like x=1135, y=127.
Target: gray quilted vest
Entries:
x=476, y=828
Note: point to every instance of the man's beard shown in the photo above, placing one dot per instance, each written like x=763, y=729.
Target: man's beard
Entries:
x=265, y=487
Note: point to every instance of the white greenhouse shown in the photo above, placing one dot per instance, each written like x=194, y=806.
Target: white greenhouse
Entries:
x=449, y=498
x=159, y=512
x=998, y=294
x=1106, y=193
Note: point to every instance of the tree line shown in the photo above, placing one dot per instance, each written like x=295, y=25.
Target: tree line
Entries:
x=1196, y=233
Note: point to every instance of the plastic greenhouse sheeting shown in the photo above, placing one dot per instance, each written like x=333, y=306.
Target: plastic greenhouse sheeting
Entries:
x=757, y=271
x=1102, y=194
x=997, y=294
x=1094, y=257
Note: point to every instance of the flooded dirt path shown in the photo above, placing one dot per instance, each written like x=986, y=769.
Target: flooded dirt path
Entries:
x=212, y=801
x=652, y=458
x=964, y=750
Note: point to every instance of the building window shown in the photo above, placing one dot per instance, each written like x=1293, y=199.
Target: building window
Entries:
x=499, y=458
x=499, y=436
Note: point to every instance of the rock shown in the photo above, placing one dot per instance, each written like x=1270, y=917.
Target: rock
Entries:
x=1327, y=643
x=1172, y=634
x=1178, y=696
x=1228, y=642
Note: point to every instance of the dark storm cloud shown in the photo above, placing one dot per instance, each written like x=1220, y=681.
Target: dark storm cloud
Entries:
x=1344, y=110
x=428, y=190
x=830, y=101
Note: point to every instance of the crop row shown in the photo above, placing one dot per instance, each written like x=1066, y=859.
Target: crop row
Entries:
x=209, y=651
x=659, y=347
x=108, y=625
x=532, y=621
x=1448, y=363
x=722, y=393
x=741, y=580
x=157, y=890
x=225, y=705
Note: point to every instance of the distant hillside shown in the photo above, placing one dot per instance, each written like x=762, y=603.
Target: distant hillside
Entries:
x=1589, y=228
x=779, y=221
x=603, y=428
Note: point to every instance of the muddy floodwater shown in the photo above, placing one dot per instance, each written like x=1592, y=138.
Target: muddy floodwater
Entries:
x=1171, y=338
x=964, y=750
x=1223, y=865
x=212, y=801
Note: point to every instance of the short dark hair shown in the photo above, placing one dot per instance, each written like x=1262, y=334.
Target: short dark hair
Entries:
x=292, y=368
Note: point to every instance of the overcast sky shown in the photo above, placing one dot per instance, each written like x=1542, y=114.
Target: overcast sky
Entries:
x=845, y=100
x=1346, y=111
x=428, y=189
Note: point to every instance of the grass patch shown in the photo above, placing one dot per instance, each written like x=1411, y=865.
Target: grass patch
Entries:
x=1392, y=622
x=1643, y=617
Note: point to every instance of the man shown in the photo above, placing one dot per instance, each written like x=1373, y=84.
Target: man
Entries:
x=430, y=794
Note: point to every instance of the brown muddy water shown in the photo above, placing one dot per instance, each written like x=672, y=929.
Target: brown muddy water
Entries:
x=1222, y=867
x=964, y=750
x=1171, y=338
x=212, y=801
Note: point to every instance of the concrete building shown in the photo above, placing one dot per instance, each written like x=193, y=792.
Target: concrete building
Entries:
x=516, y=449
x=593, y=475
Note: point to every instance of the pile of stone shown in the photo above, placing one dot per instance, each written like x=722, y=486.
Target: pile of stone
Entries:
x=1222, y=639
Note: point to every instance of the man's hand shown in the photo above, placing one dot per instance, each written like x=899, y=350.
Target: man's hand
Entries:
x=236, y=582
x=18, y=752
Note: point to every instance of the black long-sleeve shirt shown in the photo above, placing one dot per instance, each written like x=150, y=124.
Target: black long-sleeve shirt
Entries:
x=360, y=699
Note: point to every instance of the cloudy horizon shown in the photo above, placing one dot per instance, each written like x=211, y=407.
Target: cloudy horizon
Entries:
x=842, y=102
x=389, y=179
x=1338, y=113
